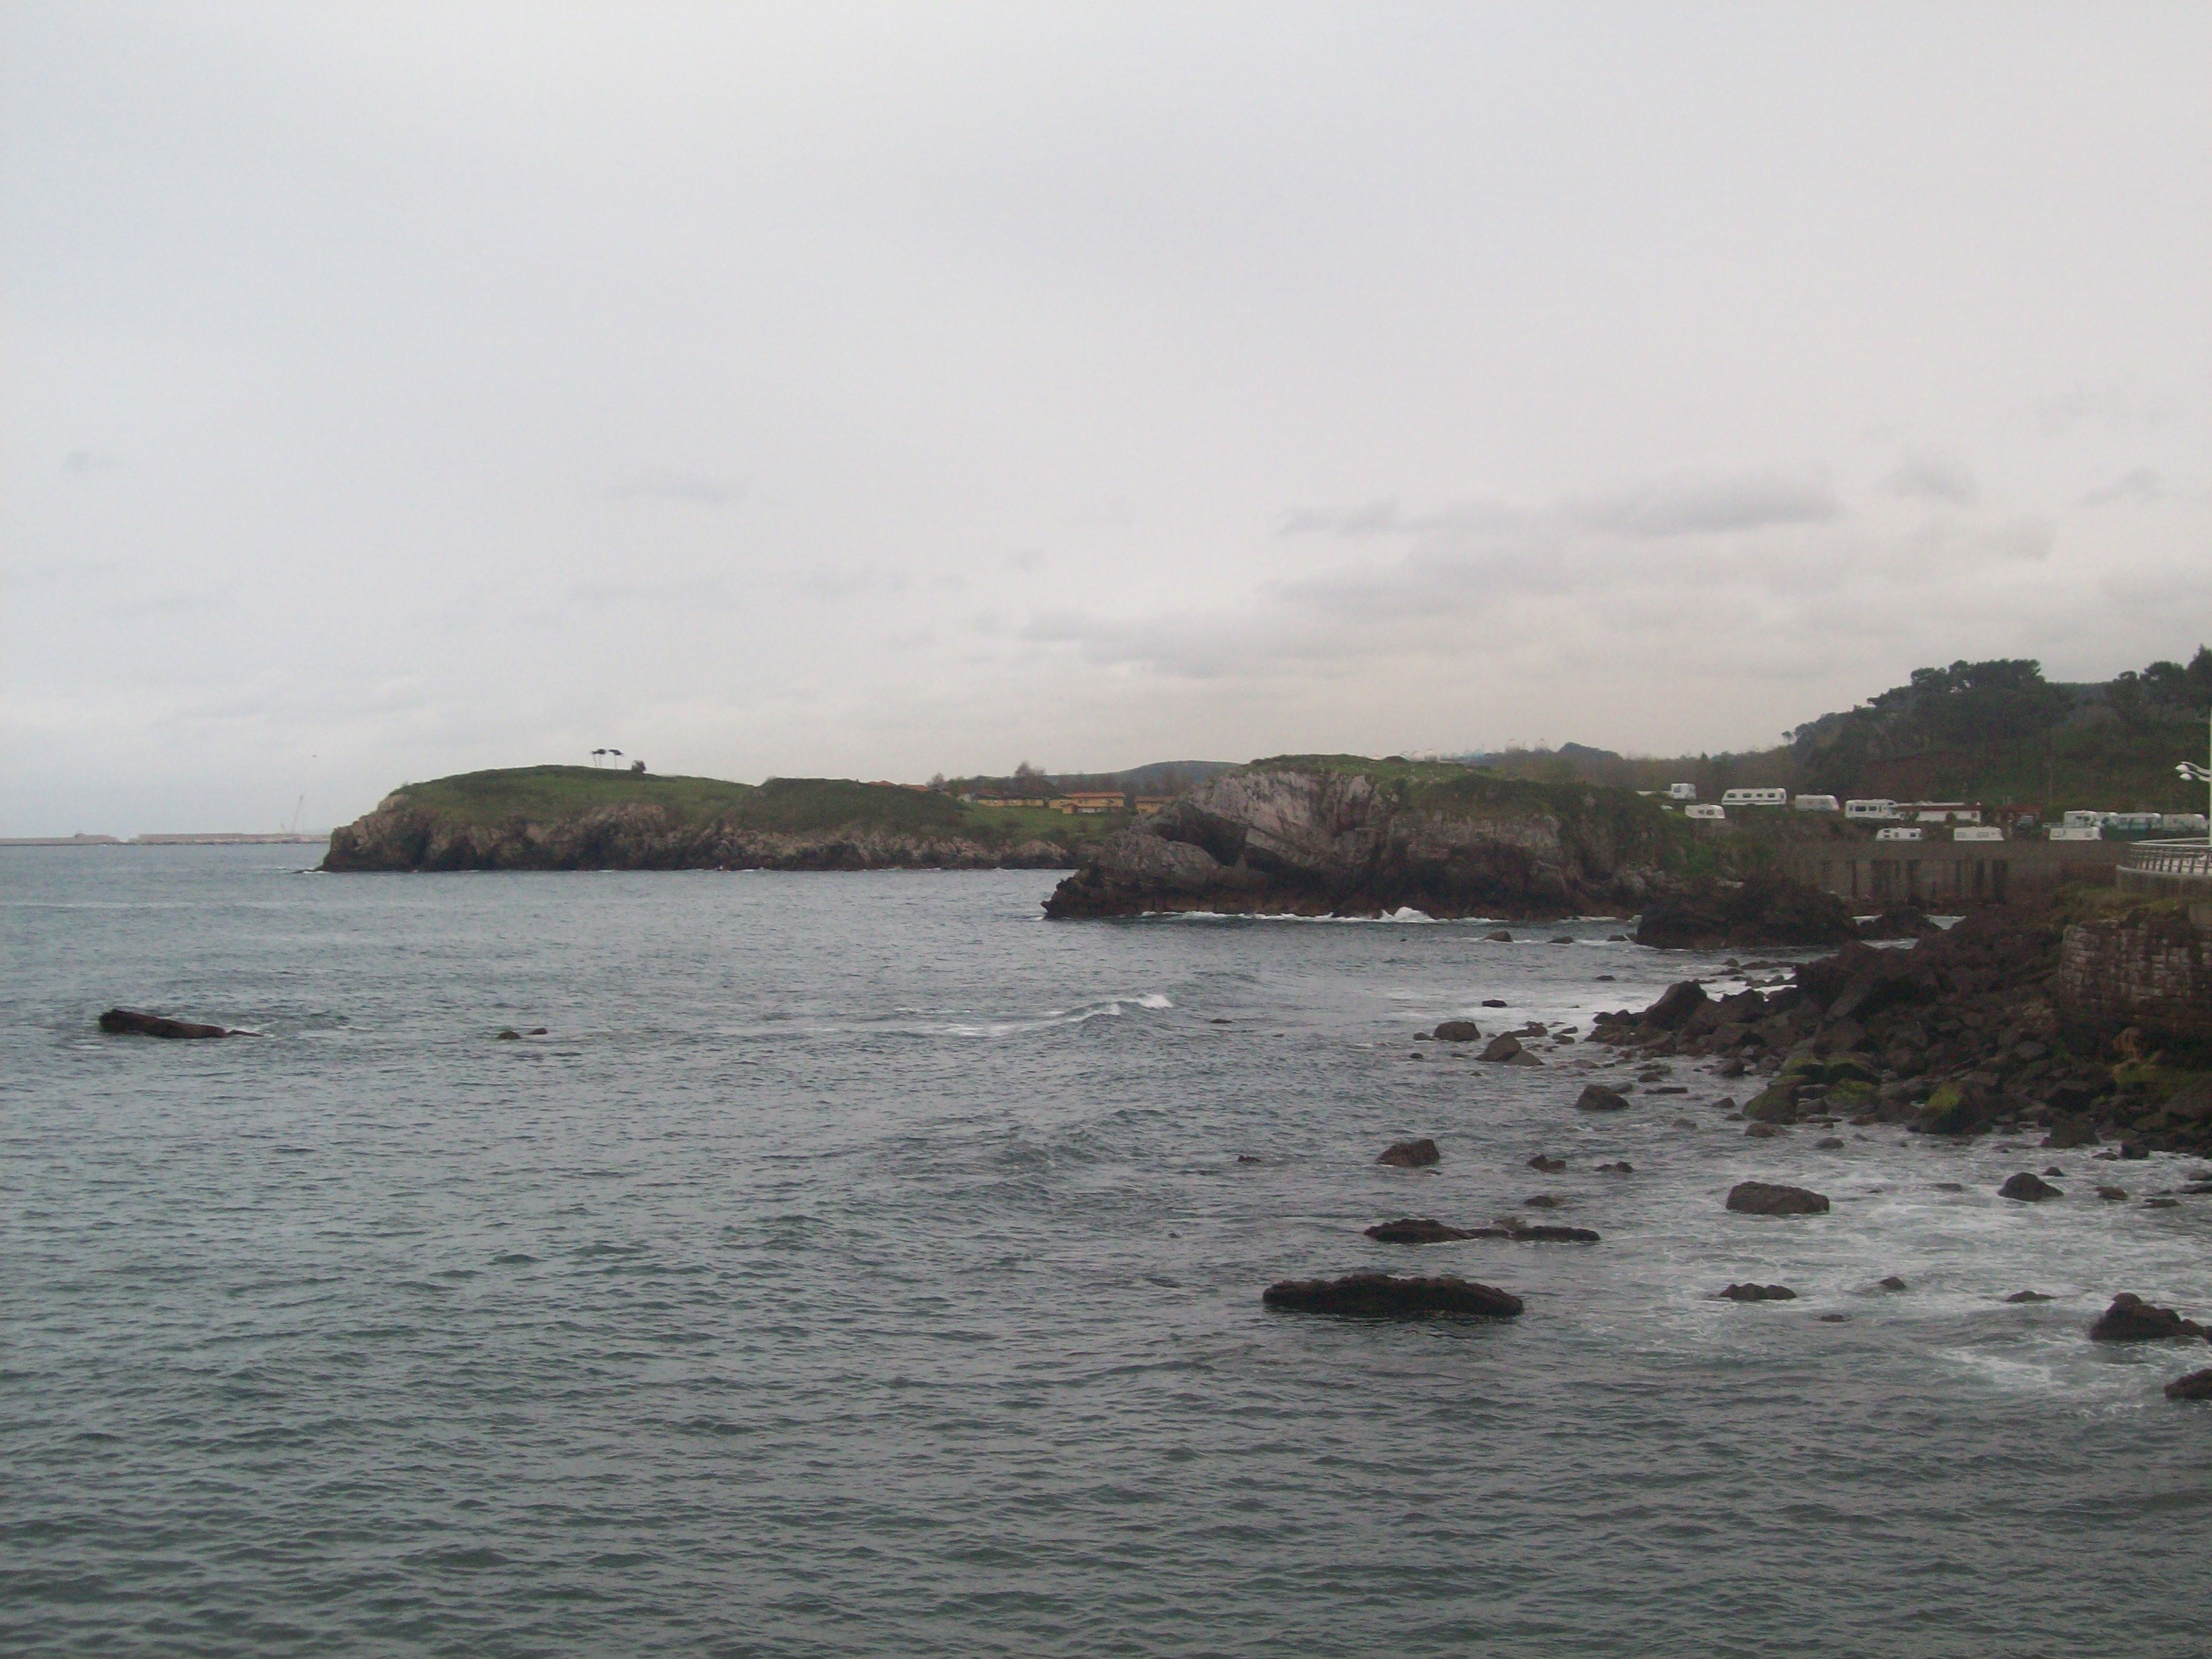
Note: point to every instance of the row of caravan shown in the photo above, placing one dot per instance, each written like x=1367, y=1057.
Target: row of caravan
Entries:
x=1922, y=811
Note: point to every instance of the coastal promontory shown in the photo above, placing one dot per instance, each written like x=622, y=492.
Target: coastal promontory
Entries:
x=1342, y=836
x=582, y=818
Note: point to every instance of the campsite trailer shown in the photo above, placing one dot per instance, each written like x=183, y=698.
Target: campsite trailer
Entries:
x=1755, y=798
x=1875, y=810
x=1706, y=813
x=1816, y=803
x=1898, y=832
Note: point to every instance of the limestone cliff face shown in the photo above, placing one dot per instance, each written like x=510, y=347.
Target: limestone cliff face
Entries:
x=1321, y=841
x=402, y=836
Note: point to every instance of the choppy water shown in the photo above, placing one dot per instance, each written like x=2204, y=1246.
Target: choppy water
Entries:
x=863, y=1266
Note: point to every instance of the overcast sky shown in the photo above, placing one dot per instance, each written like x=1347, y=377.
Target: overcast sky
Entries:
x=395, y=390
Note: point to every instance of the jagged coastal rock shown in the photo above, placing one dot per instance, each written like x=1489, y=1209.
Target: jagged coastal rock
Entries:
x=1338, y=836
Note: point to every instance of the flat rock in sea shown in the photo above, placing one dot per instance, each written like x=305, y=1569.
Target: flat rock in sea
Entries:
x=1522, y=1232
x=2198, y=1385
x=1759, y=1293
x=2029, y=1189
x=1412, y=1154
x=1893, y=1283
x=1416, y=1230
x=2131, y=1319
x=1458, y=1030
x=1768, y=1198
x=1547, y=1165
x=129, y=1021
x=1380, y=1296
x=2028, y=1296
x=1596, y=1098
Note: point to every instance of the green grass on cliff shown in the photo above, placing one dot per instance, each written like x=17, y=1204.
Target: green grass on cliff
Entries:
x=543, y=794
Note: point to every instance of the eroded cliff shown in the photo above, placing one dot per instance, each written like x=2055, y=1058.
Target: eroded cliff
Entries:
x=1336, y=836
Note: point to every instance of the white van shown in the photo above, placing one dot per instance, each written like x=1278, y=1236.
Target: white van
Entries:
x=1754, y=798
x=2076, y=831
x=1900, y=834
x=1871, y=809
x=1816, y=803
x=1704, y=812
x=1978, y=832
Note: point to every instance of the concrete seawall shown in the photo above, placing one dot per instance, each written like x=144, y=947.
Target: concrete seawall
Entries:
x=1946, y=874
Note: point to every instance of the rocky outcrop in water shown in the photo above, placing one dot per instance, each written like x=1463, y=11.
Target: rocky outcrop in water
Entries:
x=1766, y=1198
x=2131, y=1319
x=1767, y=908
x=1379, y=1296
x=120, y=1022
x=1411, y=1154
x=1332, y=839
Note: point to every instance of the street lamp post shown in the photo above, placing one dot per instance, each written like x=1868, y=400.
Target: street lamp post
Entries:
x=2191, y=772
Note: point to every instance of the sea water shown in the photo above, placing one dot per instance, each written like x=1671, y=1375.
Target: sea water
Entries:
x=862, y=1265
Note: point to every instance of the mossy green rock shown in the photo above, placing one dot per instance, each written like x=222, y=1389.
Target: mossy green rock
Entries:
x=1777, y=1103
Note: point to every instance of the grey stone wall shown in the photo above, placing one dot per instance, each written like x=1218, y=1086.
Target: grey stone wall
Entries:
x=2154, y=971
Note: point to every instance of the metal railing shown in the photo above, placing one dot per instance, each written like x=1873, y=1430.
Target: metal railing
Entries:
x=2171, y=858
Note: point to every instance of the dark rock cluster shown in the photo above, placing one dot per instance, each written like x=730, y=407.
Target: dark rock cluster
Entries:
x=1958, y=1035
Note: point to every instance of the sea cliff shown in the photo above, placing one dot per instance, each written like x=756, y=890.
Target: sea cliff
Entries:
x=1341, y=836
x=555, y=818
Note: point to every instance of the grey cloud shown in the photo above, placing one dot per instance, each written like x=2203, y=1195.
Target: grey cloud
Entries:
x=2143, y=484
x=1925, y=477
x=688, y=592
x=659, y=483
x=1689, y=503
x=1384, y=517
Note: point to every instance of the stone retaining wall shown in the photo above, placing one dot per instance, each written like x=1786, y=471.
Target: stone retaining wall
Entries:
x=2155, y=971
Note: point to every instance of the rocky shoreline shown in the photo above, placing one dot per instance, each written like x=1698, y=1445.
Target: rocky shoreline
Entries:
x=1966, y=1032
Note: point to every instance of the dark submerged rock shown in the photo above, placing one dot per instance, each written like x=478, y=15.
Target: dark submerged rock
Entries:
x=129, y=1021
x=2198, y=1385
x=1759, y=1293
x=1412, y=1154
x=1596, y=1098
x=1893, y=1283
x=1379, y=1296
x=1457, y=1030
x=1547, y=1165
x=1768, y=1198
x=2028, y=1296
x=2029, y=1189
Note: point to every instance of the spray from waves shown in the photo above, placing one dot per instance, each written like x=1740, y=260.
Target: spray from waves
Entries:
x=1404, y=915
x=1106, y=1008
